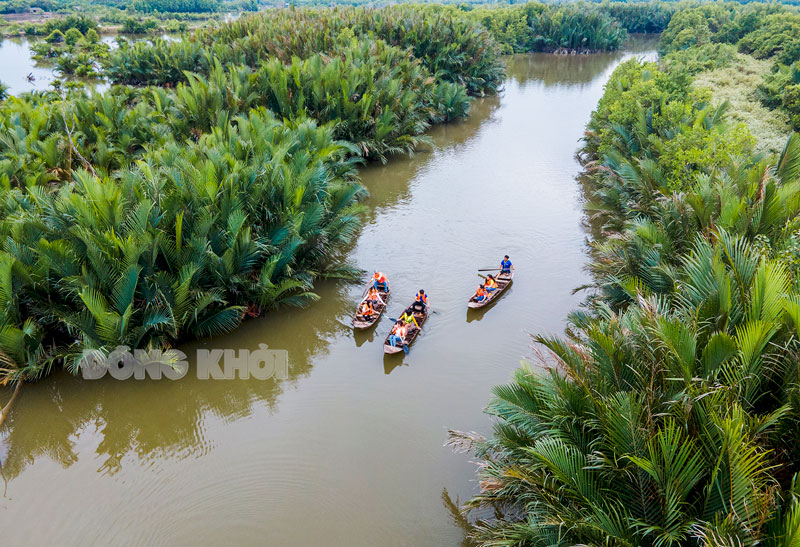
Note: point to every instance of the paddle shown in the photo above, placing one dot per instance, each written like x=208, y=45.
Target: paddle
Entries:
x=498, y=278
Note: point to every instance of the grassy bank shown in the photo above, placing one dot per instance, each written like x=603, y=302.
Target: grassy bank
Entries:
x=738, y=84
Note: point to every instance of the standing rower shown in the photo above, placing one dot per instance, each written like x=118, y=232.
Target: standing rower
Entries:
x=380, y=282
x=506, y=266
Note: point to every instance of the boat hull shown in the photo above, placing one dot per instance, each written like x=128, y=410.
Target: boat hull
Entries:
x=503, y=283
x=360, y=322
x=410, y=337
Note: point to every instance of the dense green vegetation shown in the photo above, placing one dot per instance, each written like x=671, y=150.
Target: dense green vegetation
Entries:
x=146, y=215
x=669, y=413
x=21, y=6
x=538, y=27
x=285, y=33
x=72, y=52
x=145, y=6
x=765, y=31
x=177, y=6
x=450, y=46
x=641, y=17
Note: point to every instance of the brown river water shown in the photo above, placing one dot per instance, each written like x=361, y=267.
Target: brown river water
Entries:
x=349, y=450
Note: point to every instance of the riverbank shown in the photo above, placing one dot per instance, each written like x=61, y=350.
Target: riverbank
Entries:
x=644, y=430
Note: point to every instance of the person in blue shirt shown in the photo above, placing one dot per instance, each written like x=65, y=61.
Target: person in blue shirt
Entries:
x=506, y=266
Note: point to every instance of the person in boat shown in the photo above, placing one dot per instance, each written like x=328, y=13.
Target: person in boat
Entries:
x=481, y=294
x=490, y=284
x=366, y=310
x=380, y=283
x=420, y=301
x=374, y=296
x=408, y=318
x=506, y=266
x=398, y=335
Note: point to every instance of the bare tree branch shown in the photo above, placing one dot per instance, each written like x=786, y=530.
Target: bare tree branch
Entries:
x=74, y=148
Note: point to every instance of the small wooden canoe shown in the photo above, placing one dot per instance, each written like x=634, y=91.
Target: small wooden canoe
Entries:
x=503, y=281
x=362, y=322
x=412, y=334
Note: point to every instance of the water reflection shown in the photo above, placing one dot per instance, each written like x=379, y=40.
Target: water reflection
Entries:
x=572, y=70
x=17, y=63
x=361, y=337
x=22, y=73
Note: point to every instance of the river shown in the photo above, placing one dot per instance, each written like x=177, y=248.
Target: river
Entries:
x=349, y=450
x=21, y=73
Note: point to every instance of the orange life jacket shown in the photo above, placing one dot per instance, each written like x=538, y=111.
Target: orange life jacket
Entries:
x=481, y=292
x=491, y=282
x=422, y=298
x=400, y=330
x=366, y=308
x=380, y=278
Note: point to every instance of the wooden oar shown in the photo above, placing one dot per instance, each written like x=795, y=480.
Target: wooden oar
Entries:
x=490, y=269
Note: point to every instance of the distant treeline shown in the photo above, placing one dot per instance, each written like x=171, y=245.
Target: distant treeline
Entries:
x=145, y=6
x=21, y=6
x=542, y=27
x=177, y=6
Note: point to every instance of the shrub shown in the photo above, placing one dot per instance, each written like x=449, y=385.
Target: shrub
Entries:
x=72, y=36
x=55, y=37
x=133, y=25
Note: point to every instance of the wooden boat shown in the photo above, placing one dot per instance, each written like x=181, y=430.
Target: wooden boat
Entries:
x=412, y=334
x=503, y=281
x=362, y=322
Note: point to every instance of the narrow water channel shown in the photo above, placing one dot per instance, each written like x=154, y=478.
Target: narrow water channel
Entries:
x=21, y=73
x=349, y=450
